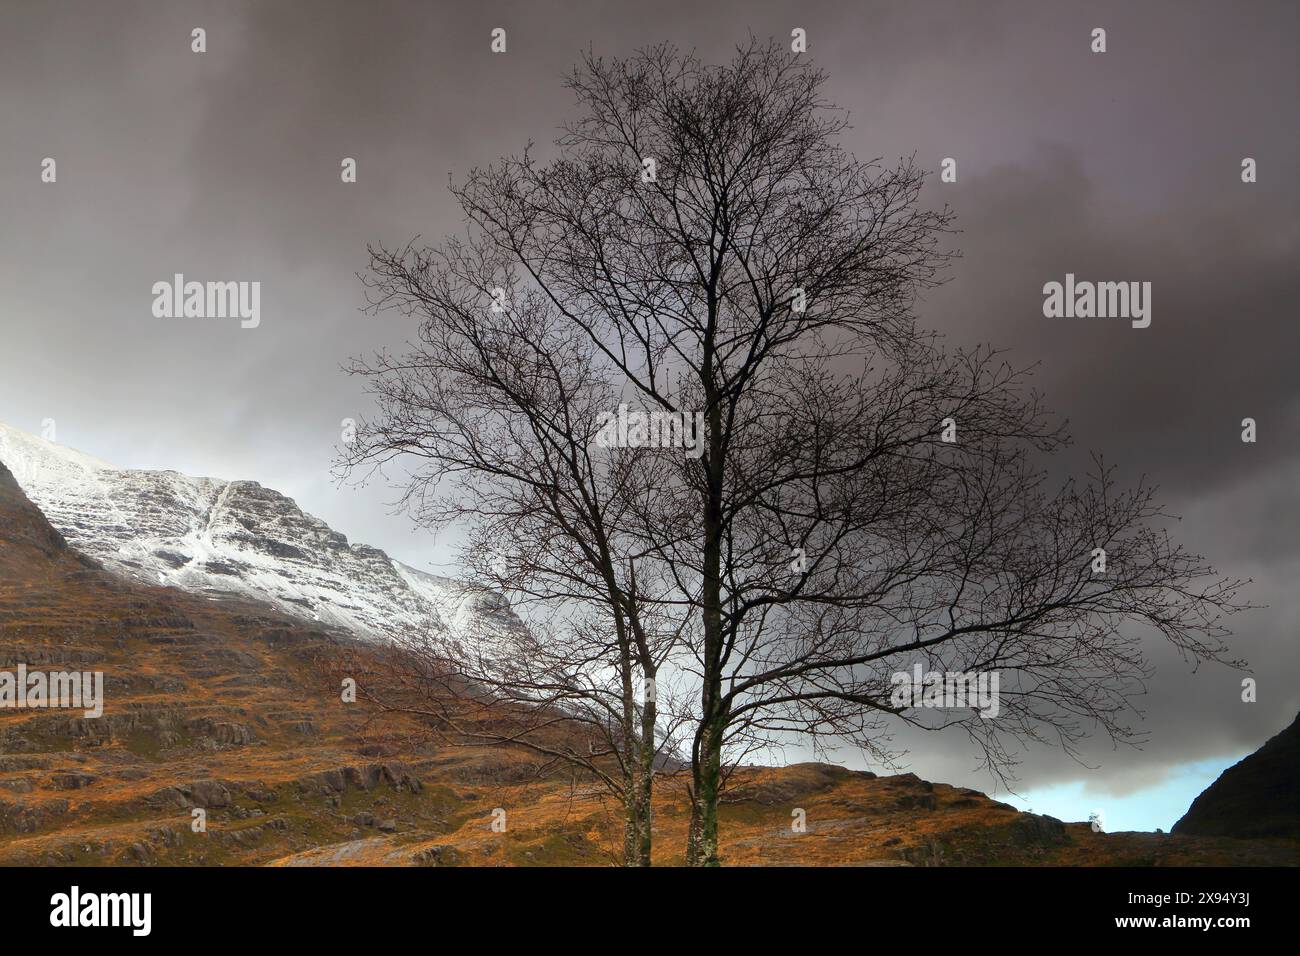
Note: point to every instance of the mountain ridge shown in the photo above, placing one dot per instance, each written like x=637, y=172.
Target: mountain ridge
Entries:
x=212, y=535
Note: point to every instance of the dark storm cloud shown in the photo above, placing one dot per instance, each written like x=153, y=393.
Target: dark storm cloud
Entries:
x=225, y=165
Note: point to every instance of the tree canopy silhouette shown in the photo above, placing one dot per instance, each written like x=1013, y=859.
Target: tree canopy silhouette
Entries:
x=866, y=498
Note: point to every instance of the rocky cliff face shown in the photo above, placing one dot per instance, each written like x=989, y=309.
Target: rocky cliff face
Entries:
x=1258, y=797
x=208, y=535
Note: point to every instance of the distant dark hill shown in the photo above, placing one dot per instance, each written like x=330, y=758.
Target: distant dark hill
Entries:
x=1258, y=797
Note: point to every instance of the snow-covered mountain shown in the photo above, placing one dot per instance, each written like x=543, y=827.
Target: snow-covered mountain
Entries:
x=209, y=535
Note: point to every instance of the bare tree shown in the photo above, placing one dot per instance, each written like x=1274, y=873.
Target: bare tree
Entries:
x=862, y=499
x=495, y=405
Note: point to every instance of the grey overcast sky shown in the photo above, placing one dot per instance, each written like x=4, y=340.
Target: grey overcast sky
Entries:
x=1122, y=166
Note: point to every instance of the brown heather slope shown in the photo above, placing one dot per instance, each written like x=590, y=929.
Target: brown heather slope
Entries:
x=222, y=704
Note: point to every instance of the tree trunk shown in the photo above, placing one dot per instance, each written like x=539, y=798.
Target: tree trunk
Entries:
x=703, y=850
x=693, y=834
x=631, y=829
x=645, y=783
x=636, y=829
x=707, y=757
